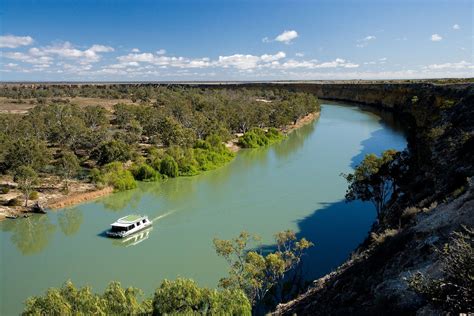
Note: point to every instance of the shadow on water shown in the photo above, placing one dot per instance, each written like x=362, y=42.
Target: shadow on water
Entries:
x=337, y=228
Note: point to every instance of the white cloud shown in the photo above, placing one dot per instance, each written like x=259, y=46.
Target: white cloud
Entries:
x=436, y=38
x=12, y=41
x=135, y=50
x=314, y=64
x=299, y=54
x=27, y=58
x=68, y=51
x=459, y=65
x=239, y=61
x=287, y=36
x=161, y=51
x=161, y=60
x=456, y=27
x=100, y=49
x=365, y=41
x=266, y=40
x=269, y=58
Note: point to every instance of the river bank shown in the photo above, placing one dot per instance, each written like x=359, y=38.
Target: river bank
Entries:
x=293, y=184
x=52, y=195
x=436, y=203
x=233, y=144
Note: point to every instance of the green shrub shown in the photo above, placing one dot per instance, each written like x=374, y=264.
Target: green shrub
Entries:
x=185, y=297
x=169, y=167
x=257, y=137
x=4, y=189
x=144, y=172
x=95, y=175
x=34, y=195
x=115, y=175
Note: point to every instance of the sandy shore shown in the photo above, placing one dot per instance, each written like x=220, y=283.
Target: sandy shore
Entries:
x=51, y=195
x=78, y=198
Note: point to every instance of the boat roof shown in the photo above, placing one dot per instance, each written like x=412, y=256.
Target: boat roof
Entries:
x=128, y=220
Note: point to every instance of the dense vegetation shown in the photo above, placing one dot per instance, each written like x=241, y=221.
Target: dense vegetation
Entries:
x=163, y=131
x=182, y=296
x=253, y=278
x=258, y=137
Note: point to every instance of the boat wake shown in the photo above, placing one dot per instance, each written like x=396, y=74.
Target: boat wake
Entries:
x=163, y=216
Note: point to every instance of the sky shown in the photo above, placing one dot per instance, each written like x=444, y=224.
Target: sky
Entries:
x=177, y=40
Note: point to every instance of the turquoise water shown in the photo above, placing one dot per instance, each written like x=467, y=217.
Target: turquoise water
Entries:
x=291, y=185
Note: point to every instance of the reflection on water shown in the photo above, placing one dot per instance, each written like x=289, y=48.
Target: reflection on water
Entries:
x=30, y=235
x=298, y=138
x=118, y=201
x=70, y=220
x=134, y=239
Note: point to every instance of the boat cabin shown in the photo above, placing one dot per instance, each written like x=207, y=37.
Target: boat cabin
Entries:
x=128, y=225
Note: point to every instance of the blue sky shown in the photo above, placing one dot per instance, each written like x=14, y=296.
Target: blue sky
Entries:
x=235, y=40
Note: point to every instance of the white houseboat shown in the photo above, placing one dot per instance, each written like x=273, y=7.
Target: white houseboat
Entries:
x=127, y=225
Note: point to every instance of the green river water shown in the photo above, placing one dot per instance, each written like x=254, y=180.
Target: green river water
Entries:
x=291, y=185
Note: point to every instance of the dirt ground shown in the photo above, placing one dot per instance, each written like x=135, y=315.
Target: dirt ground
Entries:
x=51, y=195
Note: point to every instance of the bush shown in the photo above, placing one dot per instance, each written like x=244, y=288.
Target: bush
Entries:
x=183, y=296
x=95, y=175
x=180, y=297
x=4, y=189
x=14, y=202
x=257, y=137
x=454, y=292
x=144, y=172
x=169, y=167
x=34, y=195
x=115, y=175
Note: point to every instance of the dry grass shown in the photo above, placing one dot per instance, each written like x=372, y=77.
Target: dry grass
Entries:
x=380, y=238
x=21, y=107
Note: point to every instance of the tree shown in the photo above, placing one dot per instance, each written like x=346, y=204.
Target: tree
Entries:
x=144, y=172
x=27, y=152
x=183, y=296
x=69, y=300
x=169, y=167
x=67, y=166
x=26, y=178
x=114, y=150
x=374, y=180
x=254, y=273
x=95, y=116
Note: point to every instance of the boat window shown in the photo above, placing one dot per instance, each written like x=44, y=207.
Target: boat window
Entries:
x=118, y=229
x=138, y=224
x=143, y=221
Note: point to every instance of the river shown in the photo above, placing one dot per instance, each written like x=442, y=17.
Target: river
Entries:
x=295, y=184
